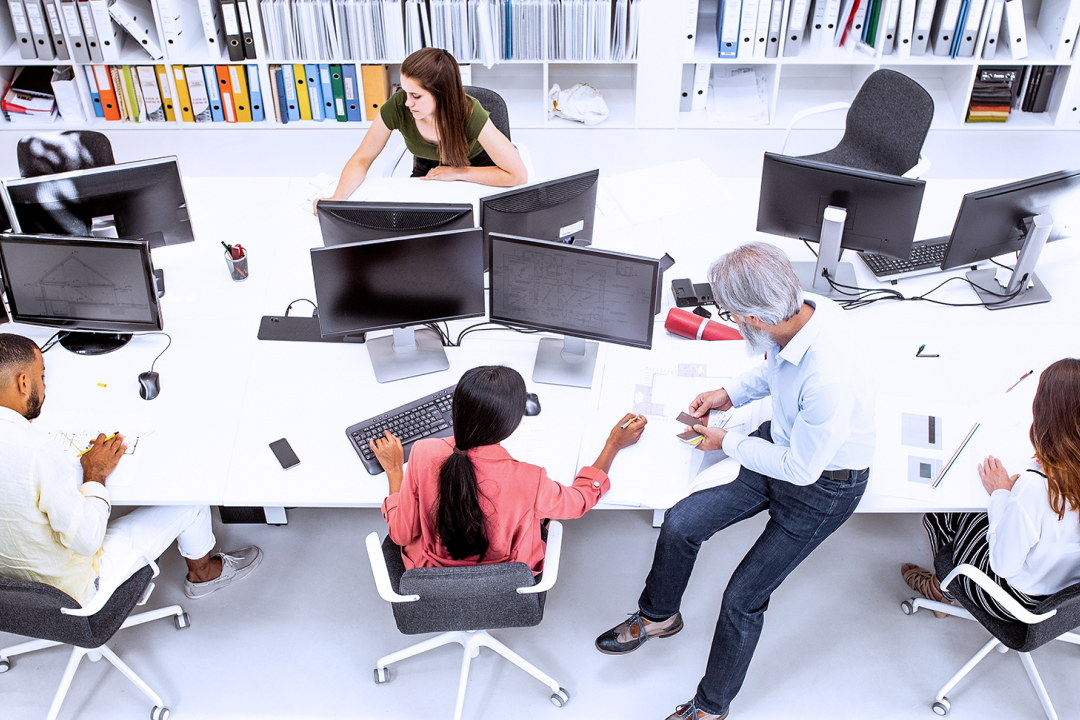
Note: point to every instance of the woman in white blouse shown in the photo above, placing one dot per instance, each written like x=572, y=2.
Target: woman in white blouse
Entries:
x=1028, y=541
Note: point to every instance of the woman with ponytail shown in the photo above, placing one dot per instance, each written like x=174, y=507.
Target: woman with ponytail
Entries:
x=465, y=501
x=447, y=131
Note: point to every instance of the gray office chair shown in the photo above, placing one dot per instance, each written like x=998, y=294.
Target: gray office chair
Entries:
x=55, y=618
x=48, y=153
x=885, y=127
x=1052, y=619
x=463, y=603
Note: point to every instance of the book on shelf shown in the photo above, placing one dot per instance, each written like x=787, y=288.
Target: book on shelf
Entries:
x=29, y=97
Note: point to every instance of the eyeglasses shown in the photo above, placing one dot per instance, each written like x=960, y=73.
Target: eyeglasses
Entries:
x=725, y=315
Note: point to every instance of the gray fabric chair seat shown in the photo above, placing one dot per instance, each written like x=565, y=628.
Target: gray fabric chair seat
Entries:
x=494, y=104
x=49, y=153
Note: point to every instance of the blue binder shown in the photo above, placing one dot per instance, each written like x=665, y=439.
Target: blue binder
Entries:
x=314, y=88
x=282, y=100
x=94, y=95
x=327, y=92
x=255, y=93
x=284, y=85
x=213, y=90
x=353, y=94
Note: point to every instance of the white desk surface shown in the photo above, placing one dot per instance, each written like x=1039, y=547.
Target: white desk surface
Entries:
x=225, y=395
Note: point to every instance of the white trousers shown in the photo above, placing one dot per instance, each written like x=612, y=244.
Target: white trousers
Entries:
x=145, y=533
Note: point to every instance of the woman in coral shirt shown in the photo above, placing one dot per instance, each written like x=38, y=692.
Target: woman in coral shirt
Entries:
x=465, y=500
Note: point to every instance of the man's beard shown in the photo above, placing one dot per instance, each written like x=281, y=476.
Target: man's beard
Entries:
x=33, y=403
x=758, y=342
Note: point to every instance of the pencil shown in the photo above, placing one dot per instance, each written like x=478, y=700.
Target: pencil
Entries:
x=92, y=446
x=948, y=465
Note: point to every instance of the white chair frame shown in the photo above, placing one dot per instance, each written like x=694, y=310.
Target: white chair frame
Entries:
x=389, y=162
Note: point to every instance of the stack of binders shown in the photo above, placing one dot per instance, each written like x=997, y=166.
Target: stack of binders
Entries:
x=218, y=93
x=1036, y=87
x=991, y=97
x=328, y=92
x=130, y=93
x=38, y=30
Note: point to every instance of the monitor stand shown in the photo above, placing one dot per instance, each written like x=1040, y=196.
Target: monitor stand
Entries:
x=812, y=274
x=407, y=353
x=569, y=361
x=1036, y=230
x=92, y=343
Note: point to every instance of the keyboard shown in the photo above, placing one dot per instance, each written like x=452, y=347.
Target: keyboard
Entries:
x=926, y=256
x=429, y=416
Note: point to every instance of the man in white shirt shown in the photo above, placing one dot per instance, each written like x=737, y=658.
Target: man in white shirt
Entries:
x=55, y=529
x=808, y=467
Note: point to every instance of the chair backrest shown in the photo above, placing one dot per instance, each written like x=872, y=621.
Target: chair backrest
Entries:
x=494, y=104
x=886, y=125
x=476, y=597
x=33, y=609
x=48, y=153
x=1017, y=635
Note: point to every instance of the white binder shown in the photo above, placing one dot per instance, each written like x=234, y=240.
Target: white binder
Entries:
x=944, y=26
x=39, y=30
x=761, y=28
x=1013, y=29
x=213, y=29
x=997, y=8
x=817, y=23
x=890, y=20
x=747, y=25
x=171, y=26
x=691, y=25
x=90, y=30
x=108, y=39
x=137, y=19
x=56, y=29
x=23, y=38
x=775, y=19
x=1058, y=24
x=796, y=27
x=905, y=28
x=701, y=86
x=924, y=20
x=829, y=29
x=69, y=15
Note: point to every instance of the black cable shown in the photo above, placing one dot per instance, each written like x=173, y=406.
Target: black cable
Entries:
x=314, y=312
x=864, y=294
x=51, y=342
x=479, y=327
x=444, y=338
x=167, y=346
x=809, y=246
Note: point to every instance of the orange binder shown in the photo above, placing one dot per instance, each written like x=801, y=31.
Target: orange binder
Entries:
x=241, y=100
x=106, y=92
x=228, y=102
x=376, y=81
x=183, y=100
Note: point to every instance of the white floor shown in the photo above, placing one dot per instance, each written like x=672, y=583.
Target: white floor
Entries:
x=300, y=637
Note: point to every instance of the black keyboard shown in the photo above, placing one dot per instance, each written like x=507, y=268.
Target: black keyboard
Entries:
x=427, y=417
x=925, y=255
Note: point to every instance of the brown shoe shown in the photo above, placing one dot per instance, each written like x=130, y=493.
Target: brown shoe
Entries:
x=631, y=634
x=925, y=583
x=690, y=711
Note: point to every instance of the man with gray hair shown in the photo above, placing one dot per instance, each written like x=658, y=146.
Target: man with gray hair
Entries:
x=807, y=467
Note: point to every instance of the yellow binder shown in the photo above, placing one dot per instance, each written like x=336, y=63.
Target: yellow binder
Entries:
x=303, y=100
x=182, y=97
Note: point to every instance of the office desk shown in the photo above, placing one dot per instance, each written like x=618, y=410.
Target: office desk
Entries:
x=226, y=396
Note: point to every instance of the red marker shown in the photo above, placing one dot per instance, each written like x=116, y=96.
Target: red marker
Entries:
x=1022, y=378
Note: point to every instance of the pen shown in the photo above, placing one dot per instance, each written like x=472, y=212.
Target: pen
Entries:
x=92, y=446
x=627, y=423
x=1022, y=378
x=919, y=351
x=226, y=246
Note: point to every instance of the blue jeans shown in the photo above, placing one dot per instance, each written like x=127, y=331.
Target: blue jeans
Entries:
x=800, y=518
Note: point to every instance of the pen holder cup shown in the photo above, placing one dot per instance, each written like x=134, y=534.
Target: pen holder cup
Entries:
x=237, y=268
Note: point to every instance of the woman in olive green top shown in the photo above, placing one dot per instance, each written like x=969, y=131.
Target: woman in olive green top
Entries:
x=446, y=130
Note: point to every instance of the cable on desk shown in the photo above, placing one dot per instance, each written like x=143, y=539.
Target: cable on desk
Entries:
x=167, y=346
x=479, y=327
x=314, y=312
x=865, y=296
x=51, y=342
x=444, y=337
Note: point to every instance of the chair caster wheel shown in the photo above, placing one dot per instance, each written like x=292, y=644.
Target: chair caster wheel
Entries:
x=182, y=621
x=382, y=675
x=942, y=707
x=159, y=713
x=907, y=608
x=5, y=665
x=560, y=697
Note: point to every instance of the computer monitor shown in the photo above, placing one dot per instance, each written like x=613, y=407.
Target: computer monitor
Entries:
x=842, y=208
x=1018, y=217
x=98, y=291
x=580, y=293
x=343, y=222
x=559, y=210
x=395, y=284
x=137, y=200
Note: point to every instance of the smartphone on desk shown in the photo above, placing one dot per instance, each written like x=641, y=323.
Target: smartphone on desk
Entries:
x=284, y=453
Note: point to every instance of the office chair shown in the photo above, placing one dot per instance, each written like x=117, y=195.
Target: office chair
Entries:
x=1051, y=620
x=41, y=611
x=885, y=127
x=489, y=100
x=48, y=153
x=463, y=603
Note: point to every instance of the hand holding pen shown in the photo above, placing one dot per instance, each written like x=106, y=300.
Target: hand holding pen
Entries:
x=101, y=458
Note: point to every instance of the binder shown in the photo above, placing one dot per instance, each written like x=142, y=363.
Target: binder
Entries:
x=1012, y=27
x=69, y=16
x=817, y=22
x=39, y=31
x=233, y=40
x=314, y=91
x=108, y=39
x=796, y=26
x=213, y=93
x=727, y=29
x=287, y=85
x=23, y=37
x=354, y=101
x=905, y=27
x=66, y=92
x=56, y=30
x=89, y=30
x=136, y=17
x=327, y=89
x=255, y=94
x=109, y=106
x=183, y=99
x=997, y=8
x=95, y=96
x=845, y=21
x=1058, y=24
x=832, y=16
x=155, y=107
x=376, y=88
x=223, y=86
x=122, y=91
x=924, y=19
x=971, y=27
x=700, y=94
x=686, y=102
x=691, y=26
x=197, y=93
x=241, y=101
x=246, y=36
x=166, y=92
x=277, y=81
x=944, y=27
x=212, y=28
x=761, y=28
x=747, y=25
x=302, y=98
x=774, y=28
x=337, y=95
x=890, y=20
x=132, y=96
x=172, y=26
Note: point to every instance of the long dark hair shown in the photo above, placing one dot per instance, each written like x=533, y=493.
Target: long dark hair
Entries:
x=437, y=72
x=488, y=405
x=1055, y=432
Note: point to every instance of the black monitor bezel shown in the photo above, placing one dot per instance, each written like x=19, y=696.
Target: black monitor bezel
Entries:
x=767, y=222
x=329, y=206
x=67, y=324
x=564, y=247
x=484, y=201
x=392, y=326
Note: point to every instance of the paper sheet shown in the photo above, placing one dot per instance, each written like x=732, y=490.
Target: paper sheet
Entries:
x=72, y=442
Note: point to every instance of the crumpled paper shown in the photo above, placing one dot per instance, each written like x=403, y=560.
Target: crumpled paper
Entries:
x=582, y=103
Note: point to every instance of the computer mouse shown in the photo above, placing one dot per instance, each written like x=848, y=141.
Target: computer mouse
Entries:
x=150, y=386
x=532, y=404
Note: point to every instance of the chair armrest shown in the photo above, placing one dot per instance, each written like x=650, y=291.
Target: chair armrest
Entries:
x=381, y=574
x=816, y=110
x=919, y=169
x=101, y=598
x=387, y=161
x=997, y=592
x=551, y=561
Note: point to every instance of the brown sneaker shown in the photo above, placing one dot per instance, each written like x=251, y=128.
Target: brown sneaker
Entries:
x=689, y=711
x=629, y=635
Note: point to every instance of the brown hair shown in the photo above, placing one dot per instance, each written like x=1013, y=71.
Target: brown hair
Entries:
x=437, y=72
x=1055, y=432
